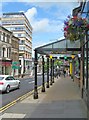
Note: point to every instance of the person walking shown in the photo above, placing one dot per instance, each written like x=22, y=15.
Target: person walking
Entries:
x=64, y=72
x=59, y=72
x=67, y=72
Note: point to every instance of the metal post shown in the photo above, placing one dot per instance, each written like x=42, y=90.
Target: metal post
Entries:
x=73, y=69
x=51, y=71
x=47, y=72
x=87, y=60
x=43, y=82
x=35, y=84
x=79, y=69
x=82, y=71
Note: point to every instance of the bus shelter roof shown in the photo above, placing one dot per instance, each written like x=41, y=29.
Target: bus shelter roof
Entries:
x=63, y=46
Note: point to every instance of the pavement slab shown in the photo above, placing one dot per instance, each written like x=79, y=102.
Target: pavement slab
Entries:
x=61, y=100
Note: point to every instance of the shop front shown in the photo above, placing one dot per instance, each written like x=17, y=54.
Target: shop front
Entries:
x=5, y=67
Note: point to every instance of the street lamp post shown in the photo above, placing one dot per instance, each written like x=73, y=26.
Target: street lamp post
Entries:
x=35, y=85
x=43, y=82
x=51, y=71
x=47, y=72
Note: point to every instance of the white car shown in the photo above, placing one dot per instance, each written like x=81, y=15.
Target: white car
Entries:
x=8, y=82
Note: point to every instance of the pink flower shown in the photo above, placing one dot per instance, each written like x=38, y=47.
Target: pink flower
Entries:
x=66, y=28
x=88, y=26
x=75, y=17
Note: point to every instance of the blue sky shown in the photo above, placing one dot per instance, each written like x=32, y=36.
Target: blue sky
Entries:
x=46, y=18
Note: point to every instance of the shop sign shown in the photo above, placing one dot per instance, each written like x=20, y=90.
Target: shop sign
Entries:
x=3, y=63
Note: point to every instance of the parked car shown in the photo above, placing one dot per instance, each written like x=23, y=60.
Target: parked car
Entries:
x=8, y=83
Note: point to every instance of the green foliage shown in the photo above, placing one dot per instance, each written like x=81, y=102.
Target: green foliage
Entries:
x=57, y=63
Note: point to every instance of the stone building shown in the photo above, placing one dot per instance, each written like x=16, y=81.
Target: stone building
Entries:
x=9, y=51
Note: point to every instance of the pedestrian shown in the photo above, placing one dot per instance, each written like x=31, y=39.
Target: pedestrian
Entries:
x=59, y=73
x=50, y=73
x=64, y=72
x=67, y=72
x=56, y=70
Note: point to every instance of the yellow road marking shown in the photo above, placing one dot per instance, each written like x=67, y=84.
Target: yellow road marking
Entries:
x=7, y=107
x=2, y=109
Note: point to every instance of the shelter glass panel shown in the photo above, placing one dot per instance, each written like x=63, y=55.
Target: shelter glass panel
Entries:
x=73, y=44
x=60, y=44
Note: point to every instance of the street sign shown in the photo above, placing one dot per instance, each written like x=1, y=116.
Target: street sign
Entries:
x=15, y=65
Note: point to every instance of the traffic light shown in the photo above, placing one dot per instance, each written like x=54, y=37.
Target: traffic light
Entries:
x=65, y=57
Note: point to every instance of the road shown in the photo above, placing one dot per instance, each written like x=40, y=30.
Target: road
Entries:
x=27, y=85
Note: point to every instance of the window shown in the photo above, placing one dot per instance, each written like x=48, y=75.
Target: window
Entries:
x=19, y=28
x=11, y=78
x=8, y=37
x=1, y=37
x=19, y=35
x=21, y=48
x=21, y=42
x=0, y=52
x=3, y=50
x=4, y=37
x=8, y=78
x=1, y=78
x=7, y=52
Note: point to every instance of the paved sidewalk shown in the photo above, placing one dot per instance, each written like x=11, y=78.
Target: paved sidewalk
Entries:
x=61, y=100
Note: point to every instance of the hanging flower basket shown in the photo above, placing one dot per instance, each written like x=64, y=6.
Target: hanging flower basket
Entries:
x=75, y=27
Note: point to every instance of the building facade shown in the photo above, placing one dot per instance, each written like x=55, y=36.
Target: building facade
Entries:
x=9, y=51
x=21, y=28
x=84, y=13
x=85, y=48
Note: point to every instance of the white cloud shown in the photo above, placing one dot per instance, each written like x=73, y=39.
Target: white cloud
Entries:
x=38, y=25
x=61, y=38
x=0, y=11
x=31, y=14
x=43, y=24
x=47, y=3
x=37, y=44
x=42, y=3
x=48, y=0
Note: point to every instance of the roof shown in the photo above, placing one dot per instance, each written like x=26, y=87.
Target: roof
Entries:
x=3, y=28
x=63, y=46
x=13, y=13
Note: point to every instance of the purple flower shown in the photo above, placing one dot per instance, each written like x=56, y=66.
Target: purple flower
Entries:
x=68, y=16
